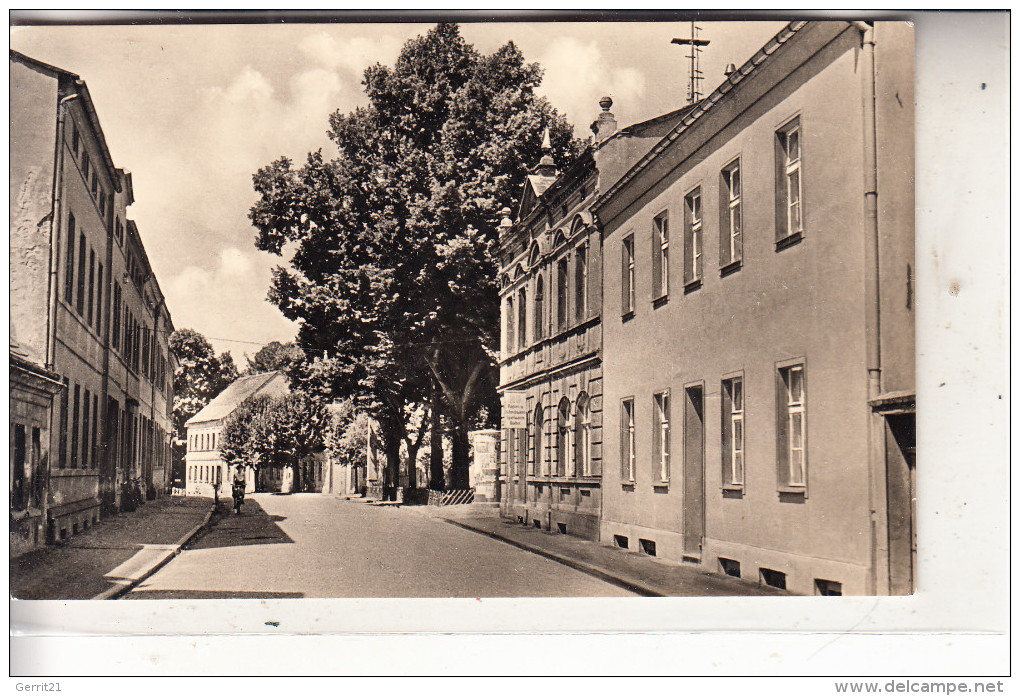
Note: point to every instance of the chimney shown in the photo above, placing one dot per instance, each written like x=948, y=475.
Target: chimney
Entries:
x=605, y=125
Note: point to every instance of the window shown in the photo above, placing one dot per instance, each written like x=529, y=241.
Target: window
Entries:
x=627, y=276
x=86, y=428
x=95, y=183
x=99, y=299
x=522, y=450
x=581, y=283
x=37, y=470
x=731, y=244
x=75, y=421
x=582, y=437
x=693, y=247
x=562, y=436
x=89, y=317
x=792, y=427
x=733, y=432
x=509, y=325
x=75, y=139
x=660, y=256
x=661, y=434
x=627, y=440
x=562, y=296
x=522, y=319
x=94, y=452
x=539, y=307
x=19, y=492
x=115, y=317
x=85, y=166
x=79, y=304
x=537, y=463
x=789, y=208
x=102, y=202
x=119, y=230
x=64, y=435
x=69, y=262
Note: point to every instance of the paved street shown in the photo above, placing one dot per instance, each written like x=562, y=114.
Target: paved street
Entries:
x=308, y=545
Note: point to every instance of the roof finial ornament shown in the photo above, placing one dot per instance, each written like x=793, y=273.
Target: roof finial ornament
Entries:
x=546, y=166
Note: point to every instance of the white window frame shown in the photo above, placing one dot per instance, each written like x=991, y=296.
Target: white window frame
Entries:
x=662, y=444
x=583, y=436
x=734, y=386
x=630, y=435
x=796, y=405
x=661, y=223
x=733, y=210
x=697, y=224
x=792, y=170
x=628, y=250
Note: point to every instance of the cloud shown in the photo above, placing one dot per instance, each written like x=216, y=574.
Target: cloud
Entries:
x=577, y=75
x=353, y=54
x=219, y=301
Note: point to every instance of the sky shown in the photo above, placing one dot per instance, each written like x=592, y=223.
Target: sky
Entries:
x=192, y=111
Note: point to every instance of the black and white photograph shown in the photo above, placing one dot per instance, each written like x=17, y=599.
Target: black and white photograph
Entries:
x=337, y=306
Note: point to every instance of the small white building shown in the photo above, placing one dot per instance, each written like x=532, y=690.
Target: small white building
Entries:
x=204, y=469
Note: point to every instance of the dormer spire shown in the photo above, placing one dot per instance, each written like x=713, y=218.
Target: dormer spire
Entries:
x=546, y=166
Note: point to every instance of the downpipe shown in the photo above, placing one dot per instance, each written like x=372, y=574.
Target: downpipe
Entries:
x=872, y=298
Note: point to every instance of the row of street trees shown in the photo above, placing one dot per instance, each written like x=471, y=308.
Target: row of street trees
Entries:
x=392, y=276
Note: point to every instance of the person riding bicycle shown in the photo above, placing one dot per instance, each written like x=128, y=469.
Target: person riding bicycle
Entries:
x=238, y=490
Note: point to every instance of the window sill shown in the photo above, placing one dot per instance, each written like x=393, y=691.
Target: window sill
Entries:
x=789, y=241
x=660, y=301
x=661, y=487
x=692, y=286
x=731, y=268
x=628, y=486
x=627, y=316
x=794, y=494
x=733, y=488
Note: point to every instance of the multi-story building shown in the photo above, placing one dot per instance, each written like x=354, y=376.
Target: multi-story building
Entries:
x=83, y=297
x=551, y=307
x=206, y=472
x=757, y=322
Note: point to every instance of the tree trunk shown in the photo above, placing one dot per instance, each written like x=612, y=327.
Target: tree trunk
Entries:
x=437, y=478
x=460, y=476
x=391, y=476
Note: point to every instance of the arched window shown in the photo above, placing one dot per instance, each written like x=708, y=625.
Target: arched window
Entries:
x=509, y=339
x=561, y=294
x=522, y=319
x=582, y=437
x=539, y=307
x=562, y=436
x=537, y=458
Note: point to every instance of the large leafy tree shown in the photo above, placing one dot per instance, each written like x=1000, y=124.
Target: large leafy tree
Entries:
x=273, y=356
x=393, y=273
x=200, y=375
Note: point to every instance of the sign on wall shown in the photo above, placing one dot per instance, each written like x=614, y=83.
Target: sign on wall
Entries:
x=515, y=409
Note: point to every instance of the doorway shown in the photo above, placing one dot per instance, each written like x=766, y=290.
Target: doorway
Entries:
x=901, y=493
x=694, y=471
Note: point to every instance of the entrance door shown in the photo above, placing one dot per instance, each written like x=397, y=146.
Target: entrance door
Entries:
x=901, y=499
x=694, y=471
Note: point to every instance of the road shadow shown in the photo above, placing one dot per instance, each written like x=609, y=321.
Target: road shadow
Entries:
x=210, y=594
x=252, y=527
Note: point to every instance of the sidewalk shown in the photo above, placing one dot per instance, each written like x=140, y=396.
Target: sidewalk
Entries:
x=113, y=556
x=648, y=576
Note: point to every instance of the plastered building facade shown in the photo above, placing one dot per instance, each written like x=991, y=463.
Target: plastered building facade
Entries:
x=84, y=299
x=757, y=322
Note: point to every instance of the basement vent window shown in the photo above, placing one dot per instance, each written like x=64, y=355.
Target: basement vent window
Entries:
x=520, y=519
x=562, y=527
x=538, y=524
x=564, y=493
x=585, y=493
x=63, y=533
x=730, y=567
x=773, y=578
x=647, y=546
x=828, y=588
x=621, y=541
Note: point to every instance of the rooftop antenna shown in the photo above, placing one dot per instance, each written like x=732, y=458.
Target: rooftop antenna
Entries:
x=696, y=76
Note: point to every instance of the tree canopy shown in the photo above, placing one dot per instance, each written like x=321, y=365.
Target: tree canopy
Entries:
x=274, y=356
x=200, y=375
x=393, y=273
